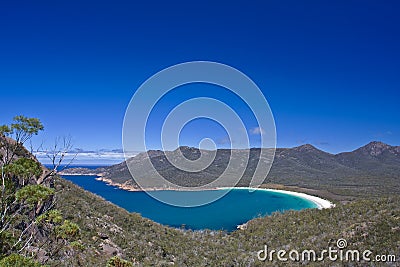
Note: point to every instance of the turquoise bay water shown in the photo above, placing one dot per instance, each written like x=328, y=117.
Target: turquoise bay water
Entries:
x=236, y=207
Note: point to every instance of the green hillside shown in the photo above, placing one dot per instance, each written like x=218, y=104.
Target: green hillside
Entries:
x=107, y=230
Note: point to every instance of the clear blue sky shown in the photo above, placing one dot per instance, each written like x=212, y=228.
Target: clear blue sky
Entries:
x=330, y=70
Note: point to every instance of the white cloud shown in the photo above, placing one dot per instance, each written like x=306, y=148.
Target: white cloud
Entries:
x=89, y=157
x=256, y=131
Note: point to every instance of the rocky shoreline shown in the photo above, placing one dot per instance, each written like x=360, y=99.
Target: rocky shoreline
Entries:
x=125, y=186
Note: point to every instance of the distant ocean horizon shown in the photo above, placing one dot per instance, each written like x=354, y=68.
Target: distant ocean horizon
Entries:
x=235, y=208
x=88, y=166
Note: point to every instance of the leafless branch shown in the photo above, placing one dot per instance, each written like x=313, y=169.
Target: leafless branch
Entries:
x=26, y=243
x=23, y=233
x=61, y=148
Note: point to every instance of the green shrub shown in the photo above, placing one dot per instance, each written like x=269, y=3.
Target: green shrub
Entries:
x=33, y=194
x=24, y=167
x=15, y=260
x=118, y=262
x=77, y=245
x=7, y=239
x=52, y=216
x=68, y=230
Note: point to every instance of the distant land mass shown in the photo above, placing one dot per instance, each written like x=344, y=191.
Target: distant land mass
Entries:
x=371, y=170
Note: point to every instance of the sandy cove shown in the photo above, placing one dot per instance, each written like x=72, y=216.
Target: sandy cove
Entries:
x=320, y=202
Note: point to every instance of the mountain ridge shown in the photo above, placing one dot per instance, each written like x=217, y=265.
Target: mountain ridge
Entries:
x=374, y=165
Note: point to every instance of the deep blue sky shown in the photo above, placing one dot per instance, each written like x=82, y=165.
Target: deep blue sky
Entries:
x=329, y=69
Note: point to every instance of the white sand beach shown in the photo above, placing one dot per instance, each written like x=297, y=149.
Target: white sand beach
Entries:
x=320, y=202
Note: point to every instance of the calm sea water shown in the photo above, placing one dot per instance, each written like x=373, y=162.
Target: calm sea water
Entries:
x=236, y=207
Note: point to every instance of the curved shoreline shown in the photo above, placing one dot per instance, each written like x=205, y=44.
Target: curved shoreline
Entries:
x=320, y=202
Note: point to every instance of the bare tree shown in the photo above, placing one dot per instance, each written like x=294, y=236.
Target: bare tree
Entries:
x=57, y=154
